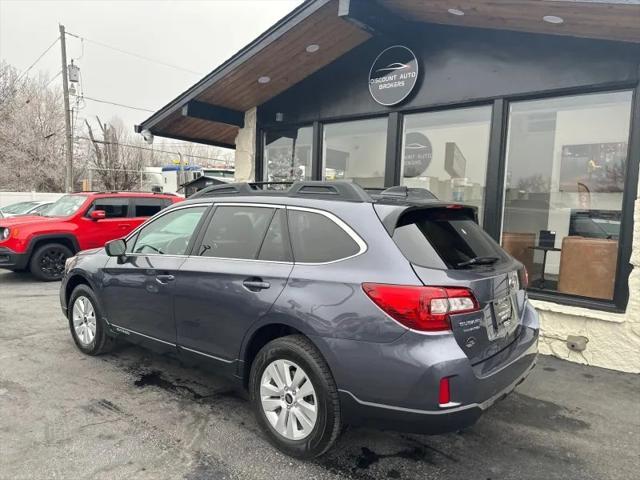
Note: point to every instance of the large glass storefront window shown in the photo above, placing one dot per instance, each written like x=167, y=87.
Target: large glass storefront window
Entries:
x=566, y=163
x=287, y=154
x=446, y=152
x=355, y=150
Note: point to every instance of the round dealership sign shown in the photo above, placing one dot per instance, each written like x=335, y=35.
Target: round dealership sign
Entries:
x=393, y=75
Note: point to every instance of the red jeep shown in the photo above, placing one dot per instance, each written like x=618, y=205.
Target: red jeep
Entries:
x=75, y=222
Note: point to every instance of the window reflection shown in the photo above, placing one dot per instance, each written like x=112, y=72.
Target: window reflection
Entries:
x=566, y=161
x=446, y=152
x=287, y=154
x=355, y=150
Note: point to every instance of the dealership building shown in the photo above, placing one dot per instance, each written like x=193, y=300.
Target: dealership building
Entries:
x=527, y=109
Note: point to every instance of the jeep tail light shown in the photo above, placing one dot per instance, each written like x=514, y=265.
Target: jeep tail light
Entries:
x=425, y=309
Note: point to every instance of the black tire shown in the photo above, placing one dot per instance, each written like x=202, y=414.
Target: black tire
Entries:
x=102, y=342
x=47, y=262
x=298, y=349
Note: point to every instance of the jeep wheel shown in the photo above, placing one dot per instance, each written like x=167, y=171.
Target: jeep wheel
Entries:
x=86, y=324
x=294, y=397
x=47, y=262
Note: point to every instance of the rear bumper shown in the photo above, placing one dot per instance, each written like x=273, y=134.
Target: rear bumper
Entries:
x=432, y=422
x=395, y=385
x=12, y=260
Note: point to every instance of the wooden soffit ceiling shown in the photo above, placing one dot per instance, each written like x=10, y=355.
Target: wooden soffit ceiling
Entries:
x=605, y=19
x=212, y=110
x=284, y=60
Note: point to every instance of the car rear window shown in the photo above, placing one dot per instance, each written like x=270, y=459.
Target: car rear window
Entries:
x=450, y=234
x=147, y=207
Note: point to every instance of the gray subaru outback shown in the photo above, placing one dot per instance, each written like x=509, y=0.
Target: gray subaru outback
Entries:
x=329, y=304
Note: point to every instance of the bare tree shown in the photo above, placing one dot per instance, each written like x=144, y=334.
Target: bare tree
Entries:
x=32, y=143
x=116, y=161
x=534, y=184
x=31, y=133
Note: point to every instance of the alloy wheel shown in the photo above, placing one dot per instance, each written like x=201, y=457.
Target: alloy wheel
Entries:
x=52, y=262
x=84, y=320
x=288, y=399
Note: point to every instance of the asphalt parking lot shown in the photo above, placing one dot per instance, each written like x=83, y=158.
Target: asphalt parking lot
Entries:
x=134, y=414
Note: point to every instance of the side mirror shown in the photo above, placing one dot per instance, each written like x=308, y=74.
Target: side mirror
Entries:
x=97, y=215
x=116, y=248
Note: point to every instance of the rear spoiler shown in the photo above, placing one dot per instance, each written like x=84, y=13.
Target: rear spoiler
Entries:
x=389, y=214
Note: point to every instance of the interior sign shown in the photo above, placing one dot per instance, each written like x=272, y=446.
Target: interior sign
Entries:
x=393, y=75
x=417, y=154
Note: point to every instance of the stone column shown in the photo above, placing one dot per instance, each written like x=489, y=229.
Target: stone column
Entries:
x=246, y=148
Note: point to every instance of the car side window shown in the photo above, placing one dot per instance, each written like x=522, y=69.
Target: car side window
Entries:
x=276, y=246
x=236, y=232
x=148, y=207
x=40, y=208
x=169, y=234
x=315, y=238
x=113, y=207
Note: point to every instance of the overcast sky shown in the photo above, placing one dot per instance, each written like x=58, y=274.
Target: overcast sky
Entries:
x=194, y=35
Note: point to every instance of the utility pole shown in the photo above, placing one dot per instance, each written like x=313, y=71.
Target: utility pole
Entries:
x=180, y=173
x=68, y=183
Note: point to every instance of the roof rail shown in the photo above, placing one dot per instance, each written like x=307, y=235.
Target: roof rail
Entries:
x=150, y=192
x=330, y=190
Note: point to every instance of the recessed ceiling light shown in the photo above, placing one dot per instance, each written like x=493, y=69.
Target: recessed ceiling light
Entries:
x=264, y=79
x=313, y=48
x=553, y=19
x=456, y=11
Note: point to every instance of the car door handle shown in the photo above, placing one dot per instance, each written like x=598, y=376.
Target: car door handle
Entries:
x=255, y=284
x=164, y=279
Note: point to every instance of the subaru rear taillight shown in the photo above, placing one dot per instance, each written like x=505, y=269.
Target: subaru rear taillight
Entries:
x=444, y=392
x=425, y=309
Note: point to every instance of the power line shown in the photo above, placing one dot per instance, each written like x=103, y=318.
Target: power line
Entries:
x=52, y=79
x=19, y=77
x=45, y=86
x=152, y=149
x=34, y=94
x=137, y=55
x=117, y=104
x=37, y=59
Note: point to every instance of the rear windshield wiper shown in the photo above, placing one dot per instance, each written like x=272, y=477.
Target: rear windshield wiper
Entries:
x=478, y=261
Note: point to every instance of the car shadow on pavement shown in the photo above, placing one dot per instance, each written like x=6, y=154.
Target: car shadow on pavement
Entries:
x=24, y=276
x=523, y=436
